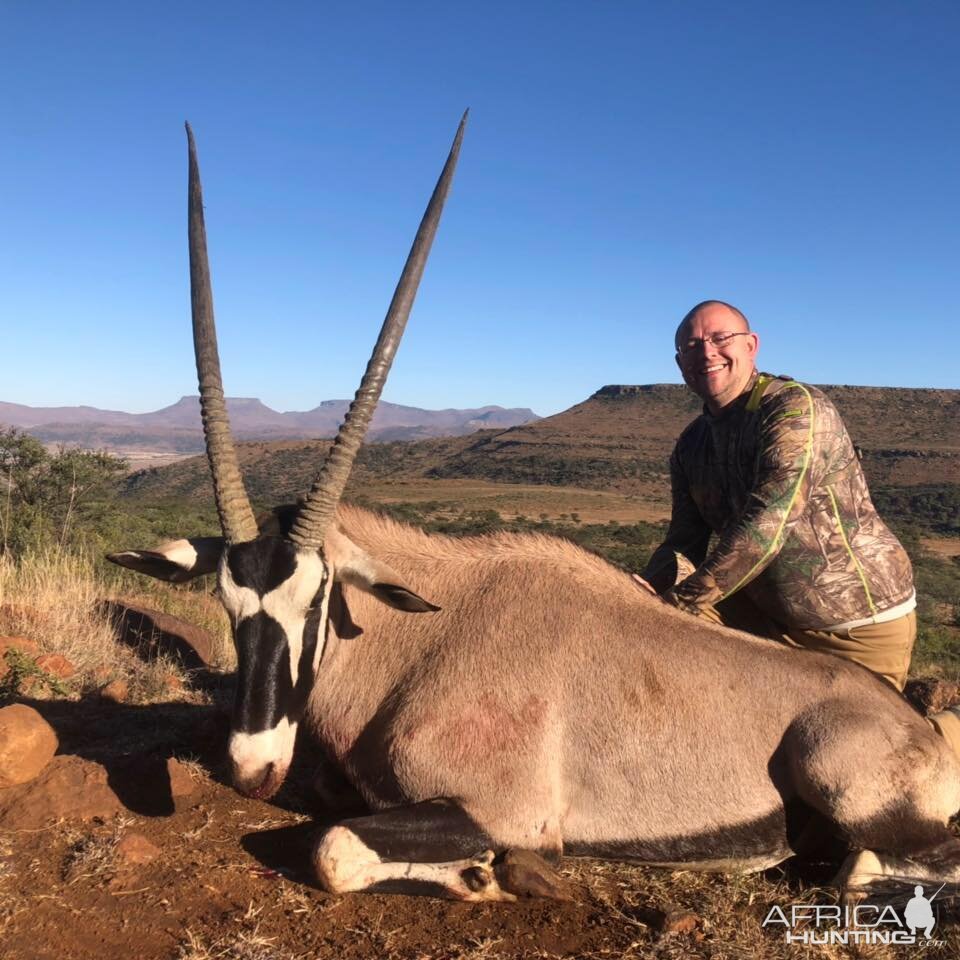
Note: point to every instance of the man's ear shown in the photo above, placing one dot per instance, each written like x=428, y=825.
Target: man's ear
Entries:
x=175, y=561
x=355, y=566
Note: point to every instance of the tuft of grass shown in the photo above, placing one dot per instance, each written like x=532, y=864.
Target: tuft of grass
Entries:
x=245, y=945
x=93, y=855
x=6, y=857
x=196, y=769
x=54, y=597
x=50, y=596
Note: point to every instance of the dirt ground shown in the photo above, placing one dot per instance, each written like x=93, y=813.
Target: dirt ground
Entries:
x=942, y=546
x=232, y=879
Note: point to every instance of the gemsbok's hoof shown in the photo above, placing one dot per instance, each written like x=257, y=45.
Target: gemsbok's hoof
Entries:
x=858, y=873
x=526, y=874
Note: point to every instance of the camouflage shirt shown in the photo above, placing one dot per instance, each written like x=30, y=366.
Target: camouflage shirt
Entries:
x=776, y=479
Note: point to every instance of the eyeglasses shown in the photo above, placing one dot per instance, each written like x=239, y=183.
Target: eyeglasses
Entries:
x=715, y=339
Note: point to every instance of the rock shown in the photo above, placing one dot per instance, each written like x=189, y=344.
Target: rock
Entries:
x=672, y=920
x=27, y=744
x=28, y=648
x=181, y=783
x=56, y=665
x=134, y=850
x=69, y=787
x=116, y=691
x=23, y=644
x=931, y=694
x=172, y=682
x=153, y=632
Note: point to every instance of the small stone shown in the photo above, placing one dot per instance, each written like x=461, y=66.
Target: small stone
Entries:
x=134, y=850
x=181, y=783
x=675, y=920
x=116, y=691
x=68, y=787
x=56, y=665
x=172, y=682
x=27, y=744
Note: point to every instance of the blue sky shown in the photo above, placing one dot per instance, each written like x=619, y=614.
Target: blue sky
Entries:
x=622, y=162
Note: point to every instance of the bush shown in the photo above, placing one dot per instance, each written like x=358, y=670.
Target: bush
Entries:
x=58, y=498
x=931, y=507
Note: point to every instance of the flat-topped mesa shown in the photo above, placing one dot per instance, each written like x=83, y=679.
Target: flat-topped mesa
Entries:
x=616, y=391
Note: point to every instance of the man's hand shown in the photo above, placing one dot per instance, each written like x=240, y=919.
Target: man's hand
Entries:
x=671, y=598
x=640, y=582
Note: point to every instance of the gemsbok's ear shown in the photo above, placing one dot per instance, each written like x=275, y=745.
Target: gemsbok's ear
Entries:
x=355, y=566
x=175, y=561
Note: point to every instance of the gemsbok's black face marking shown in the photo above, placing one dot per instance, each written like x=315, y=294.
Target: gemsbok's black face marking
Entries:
x=263, y=564
x=277, y=597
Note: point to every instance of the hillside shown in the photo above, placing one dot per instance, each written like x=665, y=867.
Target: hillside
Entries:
x=619, y=439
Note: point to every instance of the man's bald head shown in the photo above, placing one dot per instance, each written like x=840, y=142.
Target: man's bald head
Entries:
x=716, y=350
x=738, y=322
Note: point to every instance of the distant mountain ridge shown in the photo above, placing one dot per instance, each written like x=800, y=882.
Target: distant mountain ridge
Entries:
x=177, y=428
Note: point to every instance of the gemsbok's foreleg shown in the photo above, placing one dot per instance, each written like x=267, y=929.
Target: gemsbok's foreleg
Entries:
x=431, y=848
x=865, y=869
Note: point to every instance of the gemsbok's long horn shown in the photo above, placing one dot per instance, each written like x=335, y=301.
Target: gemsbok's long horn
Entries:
x=314, y=517
x=236, y=516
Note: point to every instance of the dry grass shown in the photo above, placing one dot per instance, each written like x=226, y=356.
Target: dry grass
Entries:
x=197, y=770
x=52, y=597
x=6, y=861
x=93, y=855
x=730, y=908
x=245, y=945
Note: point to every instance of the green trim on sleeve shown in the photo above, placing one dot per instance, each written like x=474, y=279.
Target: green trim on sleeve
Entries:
x=756, y=394
x=846, y=543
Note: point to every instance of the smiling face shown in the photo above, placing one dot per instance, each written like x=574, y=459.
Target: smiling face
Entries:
x=718, y=374
x=277, y=597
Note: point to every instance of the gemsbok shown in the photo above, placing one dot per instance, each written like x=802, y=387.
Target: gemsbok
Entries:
x=538, y=702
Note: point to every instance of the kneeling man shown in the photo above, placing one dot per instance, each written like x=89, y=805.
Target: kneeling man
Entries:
x=800, y=554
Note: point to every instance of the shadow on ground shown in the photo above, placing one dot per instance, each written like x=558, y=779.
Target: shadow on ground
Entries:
x=133, y=744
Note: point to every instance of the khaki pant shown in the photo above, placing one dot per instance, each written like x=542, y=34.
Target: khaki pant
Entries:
x=883, y=648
